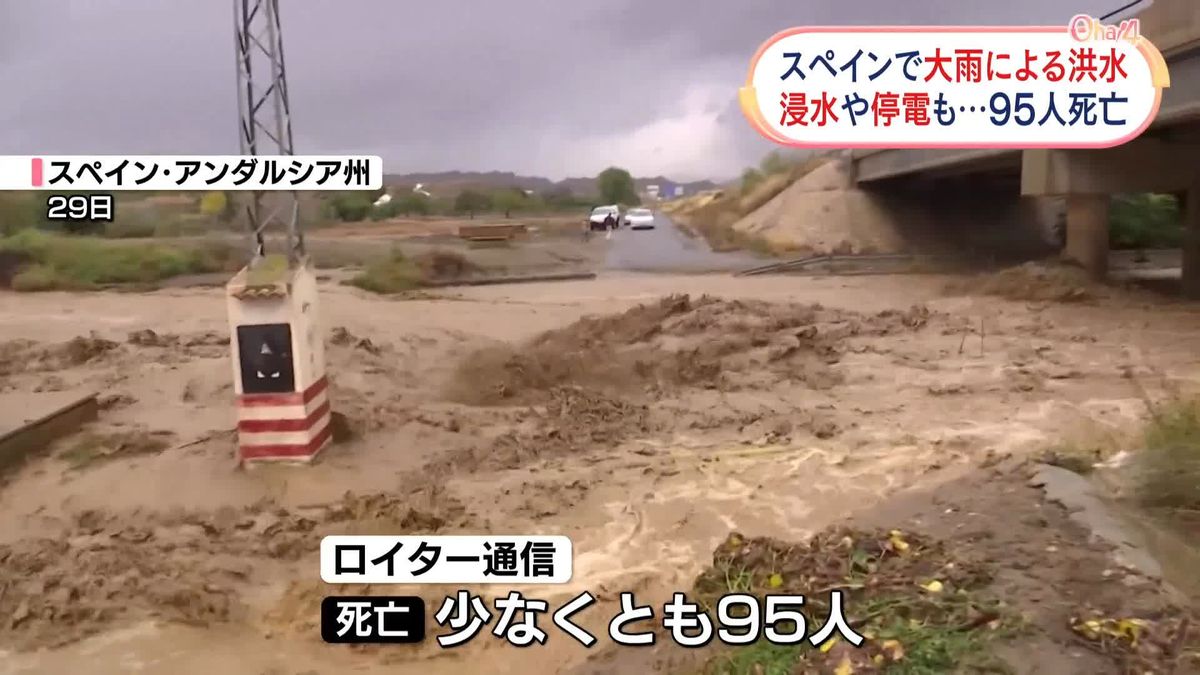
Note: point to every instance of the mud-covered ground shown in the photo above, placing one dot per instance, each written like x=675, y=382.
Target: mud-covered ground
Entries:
x=646, y=417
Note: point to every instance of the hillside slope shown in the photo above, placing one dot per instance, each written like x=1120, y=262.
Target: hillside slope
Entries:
x=824, y=213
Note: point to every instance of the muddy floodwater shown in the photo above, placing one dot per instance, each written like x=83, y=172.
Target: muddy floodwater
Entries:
x=644, y=416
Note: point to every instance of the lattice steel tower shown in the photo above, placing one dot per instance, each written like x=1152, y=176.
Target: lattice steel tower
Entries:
x=265, y=123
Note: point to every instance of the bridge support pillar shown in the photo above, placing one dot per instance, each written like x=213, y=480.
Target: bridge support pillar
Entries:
x=1191, y=242
x=1087, y=233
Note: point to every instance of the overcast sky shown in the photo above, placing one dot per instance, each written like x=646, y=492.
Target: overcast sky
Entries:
x=548, y=87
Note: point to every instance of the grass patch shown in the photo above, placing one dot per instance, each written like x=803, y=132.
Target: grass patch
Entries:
x=131, y=227
x=398, y=272
x=1168, y=468
x=394, y=274
x=62, y=262
x=899, y=645
x=920, y=606
x=270, y=270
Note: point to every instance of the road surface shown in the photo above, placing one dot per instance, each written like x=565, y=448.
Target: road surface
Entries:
x=667, y=249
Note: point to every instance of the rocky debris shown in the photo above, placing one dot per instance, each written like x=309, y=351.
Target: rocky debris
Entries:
x=676, y=342
x=17, y=356
x=91, y=448
x=148, y=338
x=1032, y=281
x=185, y=567
x=574, y=420
x=344, y=338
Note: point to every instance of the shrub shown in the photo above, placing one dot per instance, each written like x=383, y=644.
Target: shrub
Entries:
x=65, y=262
x=393, y=274
x=1169, y=466
x=472, y=202
x=1145, y=221
x=351, y=207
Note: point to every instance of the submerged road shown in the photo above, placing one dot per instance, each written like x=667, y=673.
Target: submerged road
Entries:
x=667, y=249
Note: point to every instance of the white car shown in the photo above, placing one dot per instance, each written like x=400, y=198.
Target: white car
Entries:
x=640, y=219
x=604, y=218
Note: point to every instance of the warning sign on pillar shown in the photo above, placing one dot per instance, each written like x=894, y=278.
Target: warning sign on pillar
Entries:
x=279, y=365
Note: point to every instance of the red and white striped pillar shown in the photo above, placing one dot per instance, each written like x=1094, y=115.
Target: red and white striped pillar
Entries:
x=278, y=365
x=291, y=426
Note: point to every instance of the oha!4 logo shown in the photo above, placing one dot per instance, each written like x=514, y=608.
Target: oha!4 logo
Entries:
x=1086, y=28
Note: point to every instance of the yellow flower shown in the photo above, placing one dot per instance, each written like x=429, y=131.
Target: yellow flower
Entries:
x=775, y=581
x=894, y=649
x=934, y=586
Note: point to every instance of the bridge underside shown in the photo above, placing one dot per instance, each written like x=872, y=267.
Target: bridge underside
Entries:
x=1162, y=160
x=872, y=166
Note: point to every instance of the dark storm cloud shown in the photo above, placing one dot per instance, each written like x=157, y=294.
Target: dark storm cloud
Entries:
x=555, y=87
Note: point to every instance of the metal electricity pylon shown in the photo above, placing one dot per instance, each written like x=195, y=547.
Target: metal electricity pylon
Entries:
x=265, y=124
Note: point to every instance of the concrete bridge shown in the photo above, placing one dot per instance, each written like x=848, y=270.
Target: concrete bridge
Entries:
x=1165, y=159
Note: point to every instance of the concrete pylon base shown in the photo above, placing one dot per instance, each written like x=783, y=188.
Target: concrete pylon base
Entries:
x=278, y=363
x=1190, y=209
x=1087, y=233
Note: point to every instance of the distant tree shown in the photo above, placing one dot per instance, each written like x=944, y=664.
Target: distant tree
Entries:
x=349, y=207
x=774, y=163
x=509, y=200
x=616, y=187
x=750, y=179
x=413, y=203
x=386, y=210
x=442, y=205
x=471, y=202
x=1145, y=221
x=561, y=198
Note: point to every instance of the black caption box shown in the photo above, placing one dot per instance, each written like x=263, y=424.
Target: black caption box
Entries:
x=365, y=619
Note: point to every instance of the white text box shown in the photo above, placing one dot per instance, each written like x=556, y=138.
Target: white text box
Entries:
x=63, y=173
x=446, y=560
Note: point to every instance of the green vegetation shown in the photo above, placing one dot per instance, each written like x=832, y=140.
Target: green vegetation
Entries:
x=213, y=204
x=921, y=606
x=1145, y=221
x=469, y=202
x=350, y=207
x=405, y=205
x=507, y=201
x=1169, y=464
x=472, y=202
x=774, y=164
x=616, y=187
x=398, y=272
x=715, y=220
x=393, y=274
x=562, y=199
x=924, y=649
x=751, y=178
x=59, y=262
x=19, y=211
